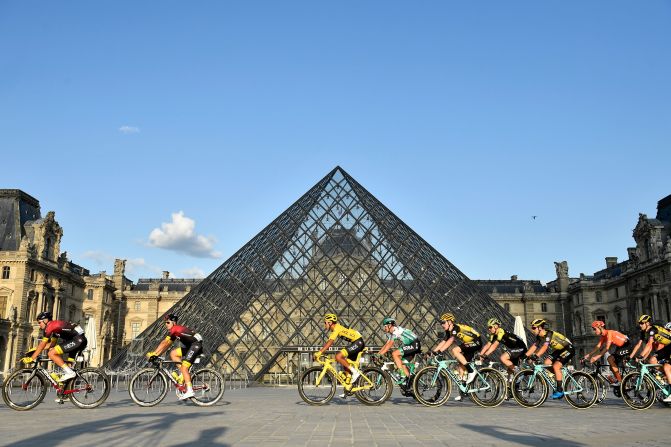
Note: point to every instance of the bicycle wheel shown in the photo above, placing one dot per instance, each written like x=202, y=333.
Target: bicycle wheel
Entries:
x=148, y=387
x=315, y=390
x=529, y=390
x=208, y=387
x=491, y=386
x=432, y=388
x=589, y=390
x=637, y=391
x=378, y=386
x=89, y=388
x=24, y=389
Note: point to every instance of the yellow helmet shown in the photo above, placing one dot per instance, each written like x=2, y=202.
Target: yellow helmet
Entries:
x=447, y=317
x=540, y=322
x=493, y=321
x=331, y=317
x=644, y=318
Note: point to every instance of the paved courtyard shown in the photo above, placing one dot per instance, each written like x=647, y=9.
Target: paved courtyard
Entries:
x=278, y=417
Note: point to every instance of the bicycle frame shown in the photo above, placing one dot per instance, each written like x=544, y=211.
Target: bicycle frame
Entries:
x=159, y=368
x=60, y=391
x=327, y=364
x=542, y=371
x=645, y=370
x=390, y=368
x=463, y=387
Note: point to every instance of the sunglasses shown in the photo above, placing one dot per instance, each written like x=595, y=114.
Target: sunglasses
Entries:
x=533, y=328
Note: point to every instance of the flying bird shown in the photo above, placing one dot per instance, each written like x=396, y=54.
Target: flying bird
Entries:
x=534, y=217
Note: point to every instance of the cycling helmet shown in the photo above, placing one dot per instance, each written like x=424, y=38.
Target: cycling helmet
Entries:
x=446, y=317
x=493, y=321
x=45, y=316
x=331, y=317
x=540, y=322
x=644, y=318
x=598, y=323
x=667, y=326
x=388, y=320
x=170, y=317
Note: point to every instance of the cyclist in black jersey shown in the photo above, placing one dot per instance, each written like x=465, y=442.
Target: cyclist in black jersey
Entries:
x=193, y=343
x=464, y=352
x=514, y=346
x=656, y=343
x=560, y=348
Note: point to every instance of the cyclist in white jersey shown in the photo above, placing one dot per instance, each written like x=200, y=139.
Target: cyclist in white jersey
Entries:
x=408, y=342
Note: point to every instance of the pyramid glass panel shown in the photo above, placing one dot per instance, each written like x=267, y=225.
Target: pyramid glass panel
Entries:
x=337, y=249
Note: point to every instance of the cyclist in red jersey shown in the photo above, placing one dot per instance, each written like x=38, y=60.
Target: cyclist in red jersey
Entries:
x=52, y=330
x=193, y=343
x=608, y=338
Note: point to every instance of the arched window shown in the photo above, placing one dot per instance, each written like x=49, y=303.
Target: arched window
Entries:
x=5, y=272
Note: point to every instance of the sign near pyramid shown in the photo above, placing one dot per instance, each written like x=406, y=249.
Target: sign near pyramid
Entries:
x=337, y=249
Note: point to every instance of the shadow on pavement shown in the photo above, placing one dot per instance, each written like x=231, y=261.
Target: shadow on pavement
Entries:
x=134, y=428
x=520, y=437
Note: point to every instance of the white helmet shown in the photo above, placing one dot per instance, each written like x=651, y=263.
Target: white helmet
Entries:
x=667, y=326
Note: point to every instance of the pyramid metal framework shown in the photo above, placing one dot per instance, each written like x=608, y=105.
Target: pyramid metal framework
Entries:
x=336, y=249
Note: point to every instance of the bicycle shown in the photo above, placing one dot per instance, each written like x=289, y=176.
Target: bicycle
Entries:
x=433, y=384
x=603, y=381
x=641, y=388
x=389, y=367
x=149, y=386
x=531, y=387
x=317, y=384
x=26, y=388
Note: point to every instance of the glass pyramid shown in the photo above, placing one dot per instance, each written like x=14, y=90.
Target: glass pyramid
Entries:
x=337, y=249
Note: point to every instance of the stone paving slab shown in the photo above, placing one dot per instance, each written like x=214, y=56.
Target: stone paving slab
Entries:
x=278, y=417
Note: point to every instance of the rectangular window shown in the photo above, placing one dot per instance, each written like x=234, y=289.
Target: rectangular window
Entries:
x=506, y=306
x=89, y=294
x=544, y=307
x=601, y=318
x=32, y=275
x=5, y=272
x=598, y=297
x=617, y=292
x=138, y=306
x=135, y=329
x=3, y=306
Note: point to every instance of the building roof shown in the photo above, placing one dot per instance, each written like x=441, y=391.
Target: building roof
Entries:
x=510, y=285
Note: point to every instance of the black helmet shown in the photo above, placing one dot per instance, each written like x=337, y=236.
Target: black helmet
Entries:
x=45, y=316
x=170, y=317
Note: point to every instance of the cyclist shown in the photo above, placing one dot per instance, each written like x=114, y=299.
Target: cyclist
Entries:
x=561, y=350
x=657, y=338
x=467, y=348
x=73, y=340
x=410, y=345
x=514, y=346
x=351, y=336
x=192, y=342
x=609, y=337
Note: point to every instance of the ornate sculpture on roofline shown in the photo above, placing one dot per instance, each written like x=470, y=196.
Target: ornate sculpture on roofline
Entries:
x=562, y=269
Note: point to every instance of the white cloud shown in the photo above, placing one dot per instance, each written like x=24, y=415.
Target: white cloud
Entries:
x=127, y=130
x=179, y=236
x=193, y=272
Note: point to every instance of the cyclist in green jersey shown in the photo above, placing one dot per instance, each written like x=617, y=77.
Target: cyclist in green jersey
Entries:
x=409, y=345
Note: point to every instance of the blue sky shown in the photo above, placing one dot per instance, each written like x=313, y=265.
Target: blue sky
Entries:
x=465, y=119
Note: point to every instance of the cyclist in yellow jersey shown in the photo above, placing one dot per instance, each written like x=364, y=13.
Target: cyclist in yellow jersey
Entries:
x=351, y=336
x=657, y=345
x=560, y=348
x=464, y=352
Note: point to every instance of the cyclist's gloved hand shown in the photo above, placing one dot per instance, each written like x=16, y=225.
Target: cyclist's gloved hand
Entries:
x=151, y=355
x=27, y=360
x=318, y=355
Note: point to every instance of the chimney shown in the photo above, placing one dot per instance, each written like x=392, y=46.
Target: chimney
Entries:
x=611, y=261
x=166, y=275
x=513, y=278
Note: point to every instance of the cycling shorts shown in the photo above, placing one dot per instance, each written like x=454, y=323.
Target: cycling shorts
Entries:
x=354, y=349
x=407, y=351
x=621, y=352
x=470, y=349
x=663, y=354
x=76, y=344
x=563, y=355
x=516, y=355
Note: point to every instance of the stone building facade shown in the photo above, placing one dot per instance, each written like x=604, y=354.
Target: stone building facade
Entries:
x=36, y=276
